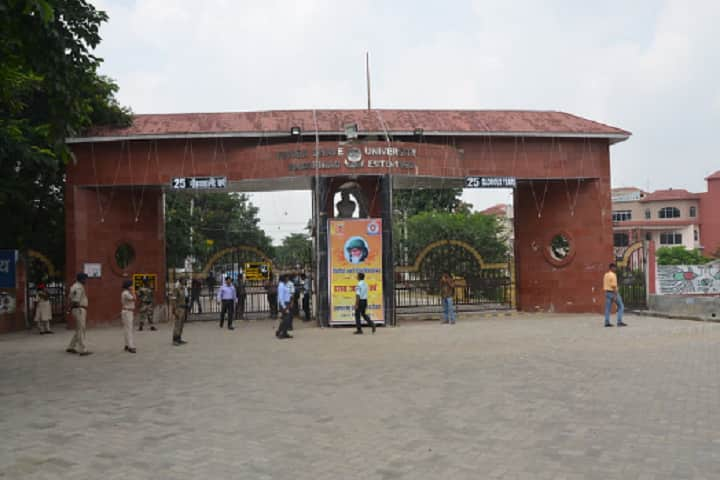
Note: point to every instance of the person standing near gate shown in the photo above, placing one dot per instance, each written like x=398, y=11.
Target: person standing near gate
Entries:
x=195, y=287
x=447, y=292
x=127, y=302
x=43, y=310
x=271, y=289
x=284, y=303
x=307, y=293
x=180, y=307
x=612, y=294
x=78, y=308
x=361, y=299
x=241, y=297
x=227, y=296
x=147, y=308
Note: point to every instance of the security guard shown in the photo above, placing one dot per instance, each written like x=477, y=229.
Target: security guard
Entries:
x=146, y=296
x=78, y=308
x=179, y=306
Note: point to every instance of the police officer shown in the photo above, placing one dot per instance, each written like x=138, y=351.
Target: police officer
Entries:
x=146, y=296
x=127, y=302
x=78, y=308
x=179, y=307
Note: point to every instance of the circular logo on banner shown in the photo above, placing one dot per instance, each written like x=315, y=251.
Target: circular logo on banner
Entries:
x=354, y=158
x=373, y=228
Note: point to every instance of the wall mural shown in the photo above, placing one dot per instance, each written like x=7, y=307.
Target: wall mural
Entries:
x=689, y=279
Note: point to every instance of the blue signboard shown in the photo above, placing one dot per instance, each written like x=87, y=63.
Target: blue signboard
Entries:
x=7, y=268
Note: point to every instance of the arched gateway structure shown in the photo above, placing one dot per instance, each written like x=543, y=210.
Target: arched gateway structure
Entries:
x=561, y=164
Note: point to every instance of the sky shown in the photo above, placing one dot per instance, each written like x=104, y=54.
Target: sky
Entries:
x=650, y=67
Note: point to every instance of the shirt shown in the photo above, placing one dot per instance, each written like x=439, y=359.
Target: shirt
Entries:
x=284, y=295
x=362, y=290
x=307, y=286
x=227, y=292
x=610, y=282
x=127, y=300
x=78, y=298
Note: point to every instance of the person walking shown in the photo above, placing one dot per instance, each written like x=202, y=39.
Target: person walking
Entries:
x=361, y=299
x=307, y=293
x=284, y=304
x=127, y=303
x=195, y=288
x=78, y=307
x=147, y=307
x=179, y=307
x=227, y=296
x=447, y=292
x=610, y=286
x=43, y=310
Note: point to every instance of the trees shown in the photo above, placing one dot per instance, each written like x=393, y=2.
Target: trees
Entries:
x=412, y=202
x=199, y=224
x=49, y=90
x=680, y=256
x=296, y=249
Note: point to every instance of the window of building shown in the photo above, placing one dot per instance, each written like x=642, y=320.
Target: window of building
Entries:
x=621, y=240
x=648, y=214
x=669, y=212
x=693, y=212
x=670, y=238
x=696, y=235
x=621, y=215
x=648, y=236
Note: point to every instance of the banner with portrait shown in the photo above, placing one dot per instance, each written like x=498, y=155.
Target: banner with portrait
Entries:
x=355, y=246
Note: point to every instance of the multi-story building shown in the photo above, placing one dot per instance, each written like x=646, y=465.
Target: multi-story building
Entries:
x=672, y=217
x=504, y=214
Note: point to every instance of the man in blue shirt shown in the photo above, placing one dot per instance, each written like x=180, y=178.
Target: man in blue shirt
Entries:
x=228, y=296
x=284, y=303
x=361, y=299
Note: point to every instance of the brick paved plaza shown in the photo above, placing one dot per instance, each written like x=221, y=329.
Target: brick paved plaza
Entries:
x=522, y=397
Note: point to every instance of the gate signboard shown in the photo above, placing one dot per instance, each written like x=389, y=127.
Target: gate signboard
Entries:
x=256, y=271
x=355, y=246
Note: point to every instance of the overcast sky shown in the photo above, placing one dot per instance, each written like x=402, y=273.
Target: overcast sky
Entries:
x=651, y=67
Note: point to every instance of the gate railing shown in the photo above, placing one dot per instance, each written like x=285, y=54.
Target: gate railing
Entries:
x=631, y=276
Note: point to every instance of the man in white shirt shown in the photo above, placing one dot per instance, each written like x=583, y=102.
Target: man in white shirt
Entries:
x=227, y=295
x=78, y=308
x=361, y=299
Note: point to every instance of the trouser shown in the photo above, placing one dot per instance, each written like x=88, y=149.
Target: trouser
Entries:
x=240, y=309
x=611, y=297
x=43, y=325
x=78, y=340
x=146, y=313
x=272, y=301
x=227, y=308
x=360, y=312
x=127, y=321
x=306, y=305
x=180, y=314
x=285, y=322
x=193, y=301
x=448, y=310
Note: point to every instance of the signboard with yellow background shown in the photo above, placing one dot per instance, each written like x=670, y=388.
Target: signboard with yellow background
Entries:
x=355, y=246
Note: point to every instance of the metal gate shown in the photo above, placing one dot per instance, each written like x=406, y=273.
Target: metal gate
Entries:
x=631, y=266
x=478, y=285
x=41, y=270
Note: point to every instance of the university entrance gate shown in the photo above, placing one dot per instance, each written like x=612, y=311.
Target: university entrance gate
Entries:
x=560, y=162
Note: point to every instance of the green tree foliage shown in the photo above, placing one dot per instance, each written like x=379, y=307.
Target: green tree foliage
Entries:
x=412, y=202
x=296, y=249
x=49, y=90
x=680, y=256
x=218, y=221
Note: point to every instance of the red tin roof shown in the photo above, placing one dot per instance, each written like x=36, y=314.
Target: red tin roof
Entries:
x=670, y=194
x=447, y=122
x=500, y=210
x=714, y=176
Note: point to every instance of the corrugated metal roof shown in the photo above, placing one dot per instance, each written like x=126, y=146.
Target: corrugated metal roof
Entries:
x=459, y=122
x=670, y=194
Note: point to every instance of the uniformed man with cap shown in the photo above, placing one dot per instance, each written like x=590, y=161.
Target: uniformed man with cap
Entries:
x=78, y=308
x=127, y=302
x=146, y=296
x=179, y=307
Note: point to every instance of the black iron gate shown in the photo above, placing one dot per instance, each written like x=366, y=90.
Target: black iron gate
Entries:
x=631, y=262
x=478, y=285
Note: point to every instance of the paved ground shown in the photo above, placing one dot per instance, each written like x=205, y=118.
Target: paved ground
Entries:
x=525, y=397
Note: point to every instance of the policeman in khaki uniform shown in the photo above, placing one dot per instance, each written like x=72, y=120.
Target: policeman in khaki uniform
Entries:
x=145, y=294
x=179, y=304
x=127, y=302
x=78, y=308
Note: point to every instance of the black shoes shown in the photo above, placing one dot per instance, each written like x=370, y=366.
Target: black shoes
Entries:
x=622, y=324
x=131, y=350
x=358, y=332
x=608, y=325
x=140, y=328
x=221, y=324
x=282, y=335
x=71, y=350
x=178, y=341
x=373, y=327
x=230, y=327
x=152, y=327
x=85, y=354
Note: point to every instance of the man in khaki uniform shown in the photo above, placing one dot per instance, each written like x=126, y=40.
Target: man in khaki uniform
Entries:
x=127, y=302
x=179, y=308
x=146, y=296
x=78, y=308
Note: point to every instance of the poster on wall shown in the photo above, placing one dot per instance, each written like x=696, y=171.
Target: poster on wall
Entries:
x=355, y=246
x=8, y=260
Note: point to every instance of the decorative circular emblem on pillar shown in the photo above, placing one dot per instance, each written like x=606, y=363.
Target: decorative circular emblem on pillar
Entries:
x=124, y=255
x=354, y=158
x=559, y=250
